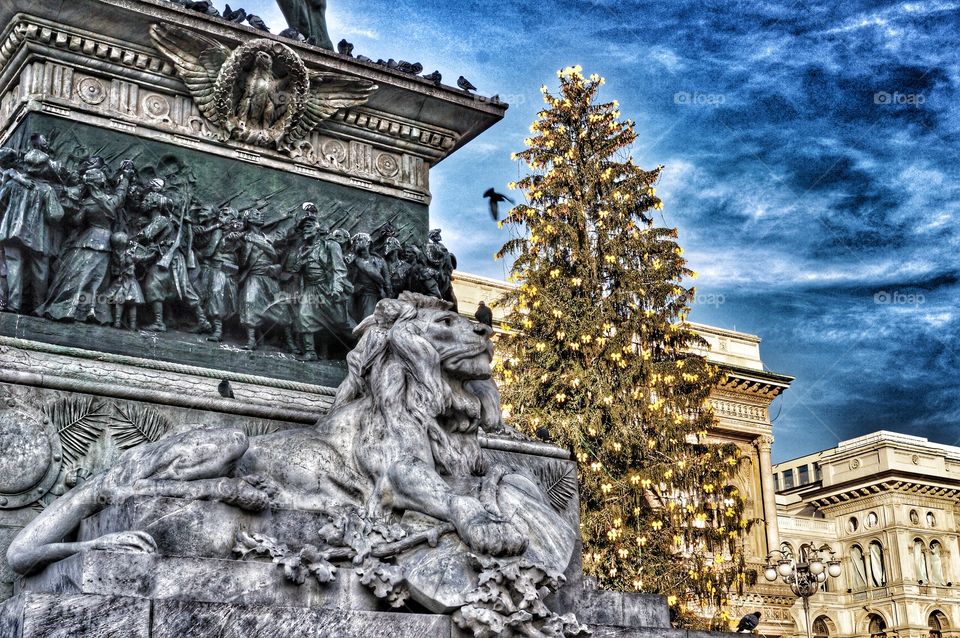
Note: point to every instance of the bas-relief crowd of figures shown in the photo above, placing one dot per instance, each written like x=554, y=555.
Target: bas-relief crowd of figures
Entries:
x=83, y=242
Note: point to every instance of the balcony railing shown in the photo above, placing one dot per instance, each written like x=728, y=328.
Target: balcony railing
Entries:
x=816, y=525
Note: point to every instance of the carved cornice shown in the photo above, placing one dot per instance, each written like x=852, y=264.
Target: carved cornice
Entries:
x=149, y=60
x=756, y=383
x=88, y=44
x=857, y=497
x=79, y=75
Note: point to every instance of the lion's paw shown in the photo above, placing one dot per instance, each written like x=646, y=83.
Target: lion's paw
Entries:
x=486, y=533
x=239, y=492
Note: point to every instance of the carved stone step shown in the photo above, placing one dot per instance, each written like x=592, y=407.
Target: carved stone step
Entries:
x=599, y=607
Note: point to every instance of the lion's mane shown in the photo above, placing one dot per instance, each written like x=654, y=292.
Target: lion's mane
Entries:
x=407, y=401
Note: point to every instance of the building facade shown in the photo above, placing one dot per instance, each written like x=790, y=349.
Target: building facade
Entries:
x=887, y=504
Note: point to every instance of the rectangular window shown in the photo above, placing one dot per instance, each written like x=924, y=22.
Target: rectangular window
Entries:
x=776, y=482
x=817, y=472
x=803, y=475
x=787, y=479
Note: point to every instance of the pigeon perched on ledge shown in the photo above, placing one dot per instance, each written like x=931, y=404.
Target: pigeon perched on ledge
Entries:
x=257, y=22
x=409, y=67
x=203, y=6
x=434, y=77
x=464, y=84
x=345, y=48
x=293, y=34
x=237, y=16
x=749, y=622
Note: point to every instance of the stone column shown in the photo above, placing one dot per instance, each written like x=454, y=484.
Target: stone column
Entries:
x=768, y=492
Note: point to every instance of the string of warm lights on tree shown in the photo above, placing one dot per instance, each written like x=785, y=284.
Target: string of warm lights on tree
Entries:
x=603, y=362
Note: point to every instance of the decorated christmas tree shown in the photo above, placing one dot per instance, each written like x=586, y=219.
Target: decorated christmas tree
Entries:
x=602, y=361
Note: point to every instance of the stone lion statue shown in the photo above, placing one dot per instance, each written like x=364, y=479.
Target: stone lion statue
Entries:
x=399, y=449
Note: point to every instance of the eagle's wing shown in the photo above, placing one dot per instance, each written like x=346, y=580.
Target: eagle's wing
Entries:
x=198, y=61
x=328, y=94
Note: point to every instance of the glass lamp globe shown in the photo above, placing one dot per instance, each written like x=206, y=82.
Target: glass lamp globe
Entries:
x=770, y=573
x=834, y=568
x=816, y=567
x=784, y=568
x=821, y=577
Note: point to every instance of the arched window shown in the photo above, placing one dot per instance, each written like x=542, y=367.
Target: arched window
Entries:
x=937, y=622
x=920, y=561
x=878, y=577
x=877, y=626
x=858, y=568
x=821, y=628
x=936, y=564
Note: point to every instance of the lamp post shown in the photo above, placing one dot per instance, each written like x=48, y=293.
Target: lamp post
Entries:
x=804, y=573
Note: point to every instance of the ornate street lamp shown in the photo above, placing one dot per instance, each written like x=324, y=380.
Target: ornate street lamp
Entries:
x=804, y=573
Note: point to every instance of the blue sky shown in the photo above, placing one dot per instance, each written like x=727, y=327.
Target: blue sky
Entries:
x=811, y=154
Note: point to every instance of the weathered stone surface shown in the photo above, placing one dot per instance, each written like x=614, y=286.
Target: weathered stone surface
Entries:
x=174, y=619
x=623, y=609
x=74, y=616
x=11, y=613
x=183, y=527
x=176, y=347
x=610, y=631
x=156, y=577
x=6, y=574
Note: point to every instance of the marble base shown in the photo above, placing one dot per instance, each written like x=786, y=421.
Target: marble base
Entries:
x=39, y=615
x=119, y=595
x=33, y=615
x=155, y=577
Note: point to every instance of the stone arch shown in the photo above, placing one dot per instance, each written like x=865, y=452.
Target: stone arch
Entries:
x=824, y=627
x=876, y=625
x=937, y=622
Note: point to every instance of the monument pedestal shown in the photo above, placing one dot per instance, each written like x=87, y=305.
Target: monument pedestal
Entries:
x=86, y=599
x=195, y=586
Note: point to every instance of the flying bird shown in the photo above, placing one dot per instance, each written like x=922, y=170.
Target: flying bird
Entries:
x=495, y=199
x=749, y=622
x=237, y=16
x=225, y=389
x=257, y=23
x=464, y=84
x=434, y=77
x=345, y=48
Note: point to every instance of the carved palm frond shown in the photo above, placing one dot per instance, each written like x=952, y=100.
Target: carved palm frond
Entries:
x=79, y=422
x=133, y=425
x=258, y=428
x=559, y=481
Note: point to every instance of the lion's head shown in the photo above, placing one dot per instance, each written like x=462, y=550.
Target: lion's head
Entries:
x=419, y=363
x=425, y=333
